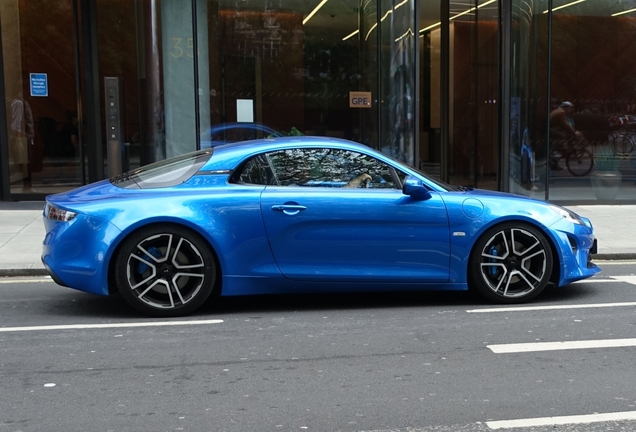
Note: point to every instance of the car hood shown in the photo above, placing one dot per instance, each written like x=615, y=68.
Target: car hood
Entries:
x=483, y=193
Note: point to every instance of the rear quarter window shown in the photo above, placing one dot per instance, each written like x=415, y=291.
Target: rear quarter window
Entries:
x=165, y=173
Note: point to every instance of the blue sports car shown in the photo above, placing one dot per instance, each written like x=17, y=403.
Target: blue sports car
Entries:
x=299, y=215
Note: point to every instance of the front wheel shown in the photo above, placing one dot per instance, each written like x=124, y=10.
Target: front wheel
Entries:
x=165, y=271
x=510, y=263
x=622, y=144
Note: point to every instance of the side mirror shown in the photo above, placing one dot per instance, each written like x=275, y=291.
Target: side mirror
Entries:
x=414, y=188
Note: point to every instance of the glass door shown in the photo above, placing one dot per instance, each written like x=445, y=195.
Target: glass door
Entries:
x=473, y=90
x=40, y=51
x=430, y=121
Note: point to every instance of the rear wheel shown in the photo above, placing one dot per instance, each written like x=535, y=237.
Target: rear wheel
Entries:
x=165, y=271
x=580, y=162
x=511, y=263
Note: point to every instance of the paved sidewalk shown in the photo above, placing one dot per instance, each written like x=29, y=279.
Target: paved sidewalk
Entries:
x=22, y=231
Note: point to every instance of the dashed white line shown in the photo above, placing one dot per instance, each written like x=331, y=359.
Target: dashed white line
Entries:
x=628, y=279
x=550, y=421
x=112, y=325
x=558, y=346
x=552, y=307
x=17, y=281
x=586, y=281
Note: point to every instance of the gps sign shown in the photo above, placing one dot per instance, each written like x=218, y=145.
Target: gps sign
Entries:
x=359, y=99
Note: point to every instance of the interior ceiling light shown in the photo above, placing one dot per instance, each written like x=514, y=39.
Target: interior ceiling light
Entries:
x=467, y=11
x=313, y=12
x=624, y=12
x=409, y=31
x=429, y=27
x=351, y=35
x=389, y=12
x=472, y=9
x=564, y=6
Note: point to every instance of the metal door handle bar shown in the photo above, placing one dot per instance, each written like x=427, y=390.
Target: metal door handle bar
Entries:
x=283, y=207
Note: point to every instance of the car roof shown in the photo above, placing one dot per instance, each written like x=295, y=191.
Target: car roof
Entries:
x=228, y=156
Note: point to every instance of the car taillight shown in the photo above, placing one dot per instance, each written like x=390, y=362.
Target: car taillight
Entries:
x=58, y=214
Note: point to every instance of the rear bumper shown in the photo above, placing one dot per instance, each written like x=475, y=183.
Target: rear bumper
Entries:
x=75, y=252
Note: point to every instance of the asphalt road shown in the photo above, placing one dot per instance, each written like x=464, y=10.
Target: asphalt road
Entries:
x=71, y=361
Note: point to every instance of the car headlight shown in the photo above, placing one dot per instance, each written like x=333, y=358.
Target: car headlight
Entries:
x=57, y=214
x=568, y=214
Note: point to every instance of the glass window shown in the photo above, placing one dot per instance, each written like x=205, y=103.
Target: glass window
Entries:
x=256, y=171
x=570, y=128
x=474, y=89
x=320, y=168
x=285, y=67
x=528, y=82
x=430, y=124
x=165, y=173
x=39, y=53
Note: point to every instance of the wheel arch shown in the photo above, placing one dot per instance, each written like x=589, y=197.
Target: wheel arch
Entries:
x=111, y=259
x=556, y=253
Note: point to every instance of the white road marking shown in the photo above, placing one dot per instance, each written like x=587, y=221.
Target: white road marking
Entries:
x=558, y=346
x=614, y=262
x=628, y=279
x=595, y=281
x=17, y=281
x=552, y=307
x=107, y=326
x=549, y=421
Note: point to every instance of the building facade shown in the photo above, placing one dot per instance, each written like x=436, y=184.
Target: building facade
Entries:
x=536, y=97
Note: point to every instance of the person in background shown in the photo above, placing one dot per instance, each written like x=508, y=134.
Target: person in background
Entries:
x=562, y=128
x=21, y=135
x=561, y=123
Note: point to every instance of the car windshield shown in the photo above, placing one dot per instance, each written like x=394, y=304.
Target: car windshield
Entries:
x=440, y=183
x=165, y=173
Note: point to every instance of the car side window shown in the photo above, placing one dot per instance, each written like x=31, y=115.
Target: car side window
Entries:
x=331, y=168
x=256, y=171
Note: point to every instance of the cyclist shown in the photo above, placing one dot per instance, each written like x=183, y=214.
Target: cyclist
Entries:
x=562, y=129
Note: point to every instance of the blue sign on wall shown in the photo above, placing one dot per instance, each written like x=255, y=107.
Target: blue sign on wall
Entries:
x=39, y=85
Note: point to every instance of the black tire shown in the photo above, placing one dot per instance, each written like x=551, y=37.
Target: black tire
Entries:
x=622, y=144
x=165, y=270
x=580, y=162
x=510, y=263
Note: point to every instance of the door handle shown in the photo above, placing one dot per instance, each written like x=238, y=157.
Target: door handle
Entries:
x=290, y=209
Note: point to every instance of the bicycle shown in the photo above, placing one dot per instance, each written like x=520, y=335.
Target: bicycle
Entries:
x=623, y=143
x=579, y=161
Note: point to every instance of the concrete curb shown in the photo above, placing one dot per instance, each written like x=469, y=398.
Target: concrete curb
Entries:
x=17, y=272
x=614, y=256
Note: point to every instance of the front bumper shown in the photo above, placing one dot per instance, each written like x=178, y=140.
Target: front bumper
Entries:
x=575, y=245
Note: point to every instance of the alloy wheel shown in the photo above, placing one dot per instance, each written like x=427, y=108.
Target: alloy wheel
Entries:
x=514, y=263
x=165, y=271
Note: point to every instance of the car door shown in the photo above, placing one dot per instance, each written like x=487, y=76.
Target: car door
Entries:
x=337, y=215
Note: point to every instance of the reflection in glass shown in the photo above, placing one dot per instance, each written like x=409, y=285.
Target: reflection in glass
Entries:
x=42, y=125
x=293, y=62
x=474, y=88
x=429, y=146
x=593, y=86
x=527, y=142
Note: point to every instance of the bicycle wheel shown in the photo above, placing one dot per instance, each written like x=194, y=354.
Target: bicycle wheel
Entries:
x=579, y=162
x=622, y=144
